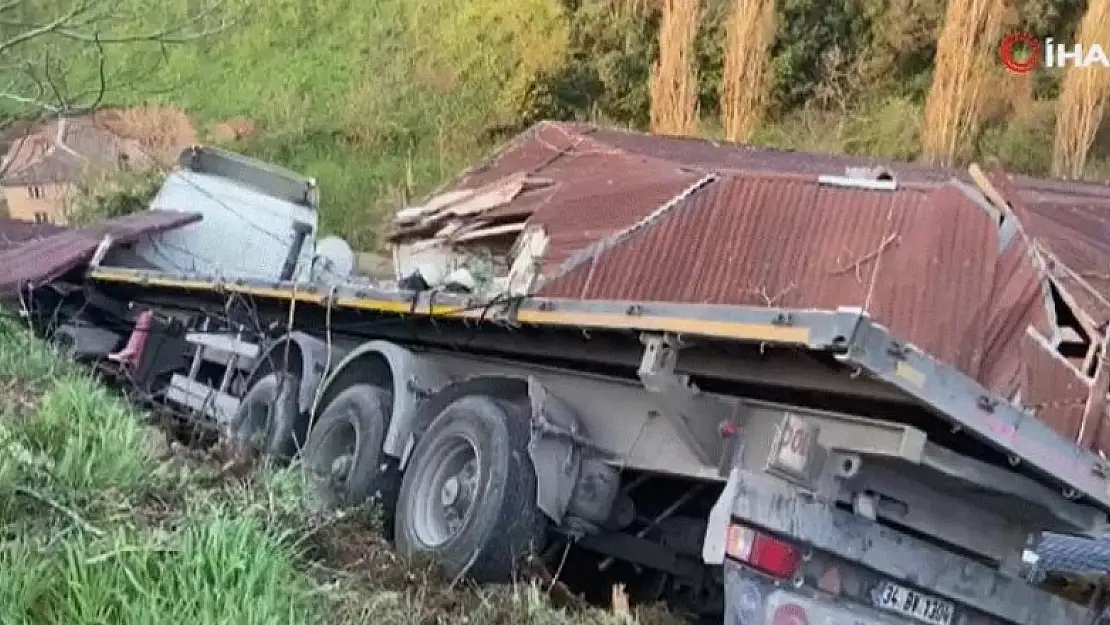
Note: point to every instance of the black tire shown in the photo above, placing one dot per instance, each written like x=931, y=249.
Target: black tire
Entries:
x=353, y=425
x=269, y=419
x=501, y=526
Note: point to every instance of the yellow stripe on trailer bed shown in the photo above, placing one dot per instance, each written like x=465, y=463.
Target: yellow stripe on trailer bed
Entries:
x=756, y=332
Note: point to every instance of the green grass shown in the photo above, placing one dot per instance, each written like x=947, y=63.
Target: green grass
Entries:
x=102, y=523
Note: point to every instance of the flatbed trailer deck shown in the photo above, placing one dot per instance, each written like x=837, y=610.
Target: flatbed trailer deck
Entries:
x=856, y=341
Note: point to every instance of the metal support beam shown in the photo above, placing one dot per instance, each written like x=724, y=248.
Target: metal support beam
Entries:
x=696, y=417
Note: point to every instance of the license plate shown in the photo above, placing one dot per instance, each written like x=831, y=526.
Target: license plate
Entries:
x=901, y=600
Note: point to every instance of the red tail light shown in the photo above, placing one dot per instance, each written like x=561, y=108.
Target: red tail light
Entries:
x=763, y=552
x=790, y=614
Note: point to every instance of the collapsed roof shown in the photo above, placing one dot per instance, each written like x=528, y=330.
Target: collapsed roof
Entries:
x=1006, y=278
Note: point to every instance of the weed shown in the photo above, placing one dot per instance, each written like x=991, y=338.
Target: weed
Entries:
x=99, y=526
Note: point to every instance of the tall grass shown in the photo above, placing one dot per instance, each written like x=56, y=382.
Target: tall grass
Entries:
x=1083, y=96
x=964, y=59
x=749, y=32
x=101, y=522
x=674, y=76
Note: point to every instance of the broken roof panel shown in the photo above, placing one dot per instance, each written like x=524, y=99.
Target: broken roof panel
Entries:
x=15, y=232
x=1072, y=230
x=635, y=217
x=926, y=261
x=578, y=190
x=41, y=259
x=787, y=240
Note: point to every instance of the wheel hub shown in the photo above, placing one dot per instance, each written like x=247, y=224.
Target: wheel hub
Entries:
x=341, y=467
x=449, y=493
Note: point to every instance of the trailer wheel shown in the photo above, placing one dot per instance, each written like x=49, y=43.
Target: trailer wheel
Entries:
x=344, y=450
x=467, y=498
x=268, y=416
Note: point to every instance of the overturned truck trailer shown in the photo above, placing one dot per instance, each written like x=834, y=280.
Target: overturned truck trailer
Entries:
x=787, y=389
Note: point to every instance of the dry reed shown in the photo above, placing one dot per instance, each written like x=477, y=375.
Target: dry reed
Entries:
x=674, y=77
x=749, y=33
x=1083, y=96
x=966, y=55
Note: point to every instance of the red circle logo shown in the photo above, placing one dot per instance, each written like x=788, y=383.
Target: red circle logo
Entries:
x=1020, y=52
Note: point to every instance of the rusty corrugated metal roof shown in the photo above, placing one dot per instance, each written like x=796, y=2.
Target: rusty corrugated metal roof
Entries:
x=927, y=258
x=41, y=259
x=604, y=180
x=787, y=240
x=725, y=156
x=15, y=232
x=1071, y=225
x=924, y=260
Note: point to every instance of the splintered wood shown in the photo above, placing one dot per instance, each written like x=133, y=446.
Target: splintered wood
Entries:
x=468, y=215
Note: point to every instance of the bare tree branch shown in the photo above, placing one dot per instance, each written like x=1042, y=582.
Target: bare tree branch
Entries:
x=54, y=66
x=44, y=29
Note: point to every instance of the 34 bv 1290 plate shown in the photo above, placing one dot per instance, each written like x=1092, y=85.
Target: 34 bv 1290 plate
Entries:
x=901, y=600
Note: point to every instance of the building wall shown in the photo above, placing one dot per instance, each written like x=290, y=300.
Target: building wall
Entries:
x=47, y=201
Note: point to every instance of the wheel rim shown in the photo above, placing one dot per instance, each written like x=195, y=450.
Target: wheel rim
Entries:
x=446, y=490
x=335, y=457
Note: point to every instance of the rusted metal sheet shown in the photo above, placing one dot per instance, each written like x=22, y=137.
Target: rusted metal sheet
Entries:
x=605, y=180
x=724, y=156
x=783, y=240
x=601, y=201
x=15, y=232
x=581, y=191
x=925, y=261
x=40, y=259
x=1078, y=238
x=925, y=257
x=1053, y=389
x=1070, y=223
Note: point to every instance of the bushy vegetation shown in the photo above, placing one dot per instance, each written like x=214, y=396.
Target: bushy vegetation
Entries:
x=380, y=101
x=102, y=522
x=104, y=195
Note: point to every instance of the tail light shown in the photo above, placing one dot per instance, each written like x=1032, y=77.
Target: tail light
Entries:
x=790, y=614
x=763, y=552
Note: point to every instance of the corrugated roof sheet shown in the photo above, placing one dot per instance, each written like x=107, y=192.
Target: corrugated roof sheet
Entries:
x=787, y=240
x=924, y=260
x=927, y=259
x=15, y=232
x=726, y=156
x=1073, y=227
x=40, y=259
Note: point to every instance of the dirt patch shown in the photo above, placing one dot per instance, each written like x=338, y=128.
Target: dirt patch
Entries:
x=161, y=130
x=20, y=397
x=232, y=130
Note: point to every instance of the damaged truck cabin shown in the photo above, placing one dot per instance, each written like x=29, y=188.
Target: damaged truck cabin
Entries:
x=783, y=388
